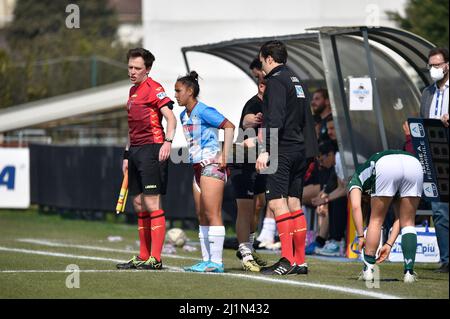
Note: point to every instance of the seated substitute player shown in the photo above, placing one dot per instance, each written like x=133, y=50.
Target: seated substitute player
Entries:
x=146, y=157
x=248, y=185
x=200, y=125
x=387, y=176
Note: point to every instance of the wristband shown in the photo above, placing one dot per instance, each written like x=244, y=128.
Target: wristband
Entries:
x=388, y=244
x=362, y=236
x=126, y=153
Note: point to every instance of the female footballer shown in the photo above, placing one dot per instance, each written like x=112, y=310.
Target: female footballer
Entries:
x=387, y=176
x=200, y=125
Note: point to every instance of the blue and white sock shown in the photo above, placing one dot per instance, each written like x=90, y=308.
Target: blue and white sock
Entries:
x=216, y=237
x=204, y=242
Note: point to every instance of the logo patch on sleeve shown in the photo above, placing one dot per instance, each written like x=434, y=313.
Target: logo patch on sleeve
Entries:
x=300, y=92
x=161, y=95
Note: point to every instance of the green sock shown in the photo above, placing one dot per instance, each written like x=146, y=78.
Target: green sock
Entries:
x=409, y=247
x=370, y=259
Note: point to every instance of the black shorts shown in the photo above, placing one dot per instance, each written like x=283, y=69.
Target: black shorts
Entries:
x=288, y=179
x=247, y=182
x=146, y=174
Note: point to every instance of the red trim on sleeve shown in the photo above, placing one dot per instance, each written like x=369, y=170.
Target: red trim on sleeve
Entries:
x=223, y=123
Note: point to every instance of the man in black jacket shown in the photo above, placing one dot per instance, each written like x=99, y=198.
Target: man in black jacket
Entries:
x=286, y=109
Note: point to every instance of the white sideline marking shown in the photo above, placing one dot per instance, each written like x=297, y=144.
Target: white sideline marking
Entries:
x=67, y=271
x=346, y=290
x=49, y=253
x=98, y=248
x=255, y=277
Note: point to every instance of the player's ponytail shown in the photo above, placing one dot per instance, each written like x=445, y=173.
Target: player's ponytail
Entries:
x=191, y=80
x=194, y=75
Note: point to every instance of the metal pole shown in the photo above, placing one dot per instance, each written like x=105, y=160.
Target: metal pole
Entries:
x=376, y=97
x=344, y=100
x=186, y=62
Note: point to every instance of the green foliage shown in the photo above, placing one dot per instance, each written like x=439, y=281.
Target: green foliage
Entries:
x=427, y=18
x=46, y=58
x=5, y=92
x=39, y=27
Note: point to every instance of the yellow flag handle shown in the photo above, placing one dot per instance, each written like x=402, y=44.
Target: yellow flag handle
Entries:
x=121, y=202
x=124, y=201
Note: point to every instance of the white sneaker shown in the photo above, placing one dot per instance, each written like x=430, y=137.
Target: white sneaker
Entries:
x=410, y=277
x=367, y=273
x=265, y=243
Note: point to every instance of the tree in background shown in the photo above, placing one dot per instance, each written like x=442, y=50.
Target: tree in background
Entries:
x=427, y=18
x=45, y=58
x=5, y=91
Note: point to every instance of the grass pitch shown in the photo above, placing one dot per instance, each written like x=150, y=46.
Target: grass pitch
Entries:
x=35, y=251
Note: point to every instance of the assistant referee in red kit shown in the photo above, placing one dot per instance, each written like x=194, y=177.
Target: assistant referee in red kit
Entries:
x=146, y=157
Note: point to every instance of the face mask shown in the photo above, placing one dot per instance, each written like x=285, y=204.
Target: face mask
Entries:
x=436, y=74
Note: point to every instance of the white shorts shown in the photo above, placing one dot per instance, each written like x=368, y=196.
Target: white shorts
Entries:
x=398, y=174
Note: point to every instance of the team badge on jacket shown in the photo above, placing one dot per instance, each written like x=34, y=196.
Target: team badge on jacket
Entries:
x=300, y=92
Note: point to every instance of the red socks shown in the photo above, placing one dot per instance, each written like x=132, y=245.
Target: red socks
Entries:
x=145, y=240
x=299, y=236
x=158, y=232
x=292, y=231
x=285, y=230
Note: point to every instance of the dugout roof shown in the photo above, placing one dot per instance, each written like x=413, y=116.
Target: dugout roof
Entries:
x=394, y=60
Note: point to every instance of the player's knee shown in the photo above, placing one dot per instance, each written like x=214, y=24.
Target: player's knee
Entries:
x=376, y=222
x=212, y=216
x=151, y=207
x=259, y=205
x=275, y=205
x=294, y=207
x=137, y=203
x=152, y=203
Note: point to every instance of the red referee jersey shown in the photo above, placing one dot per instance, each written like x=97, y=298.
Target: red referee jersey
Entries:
x=144, y=116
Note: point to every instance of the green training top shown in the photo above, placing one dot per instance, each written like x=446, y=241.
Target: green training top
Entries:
x=365, y=174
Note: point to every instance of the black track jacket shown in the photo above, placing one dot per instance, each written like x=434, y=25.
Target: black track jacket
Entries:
x=286, y=107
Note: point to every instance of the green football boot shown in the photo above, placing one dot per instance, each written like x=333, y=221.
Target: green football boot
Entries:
x=130, y=264
x=151, y=263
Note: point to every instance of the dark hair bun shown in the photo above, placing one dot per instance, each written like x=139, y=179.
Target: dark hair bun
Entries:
x=191, y=80
x=194, y=75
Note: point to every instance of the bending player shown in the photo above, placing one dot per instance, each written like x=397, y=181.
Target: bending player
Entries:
x=387, y=176
x=200, y=123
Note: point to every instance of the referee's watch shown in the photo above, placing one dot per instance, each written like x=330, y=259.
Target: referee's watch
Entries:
x=168, y=140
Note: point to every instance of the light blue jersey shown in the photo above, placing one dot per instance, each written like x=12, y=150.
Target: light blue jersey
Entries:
x=201, y=131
